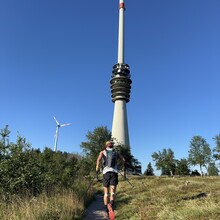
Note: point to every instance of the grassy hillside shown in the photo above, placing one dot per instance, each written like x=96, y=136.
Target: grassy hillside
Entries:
x=151, y=198
x=158, y=198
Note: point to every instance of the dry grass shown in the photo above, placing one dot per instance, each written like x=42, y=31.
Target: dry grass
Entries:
x=157, y=198
x=152, y=198
x=63, y=206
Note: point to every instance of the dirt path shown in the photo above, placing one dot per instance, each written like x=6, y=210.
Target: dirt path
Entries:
x=96, y=211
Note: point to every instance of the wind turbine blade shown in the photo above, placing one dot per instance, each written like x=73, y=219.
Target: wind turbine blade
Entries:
x=56, y=120
x=65, y=124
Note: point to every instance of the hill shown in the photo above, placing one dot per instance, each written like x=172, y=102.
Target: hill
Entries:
x=163, y=198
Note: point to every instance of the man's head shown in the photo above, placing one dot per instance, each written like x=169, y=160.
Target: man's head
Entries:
x=109, y=144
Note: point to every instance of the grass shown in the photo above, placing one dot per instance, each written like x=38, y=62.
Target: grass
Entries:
x=60, y=205
x=63, y=206
x=152, y=198
x=157, y=198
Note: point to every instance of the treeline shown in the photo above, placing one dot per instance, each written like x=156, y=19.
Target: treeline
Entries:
x=199, y=154
x=27, y=171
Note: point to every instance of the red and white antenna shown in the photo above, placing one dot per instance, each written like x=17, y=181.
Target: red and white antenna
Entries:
x=121, y=32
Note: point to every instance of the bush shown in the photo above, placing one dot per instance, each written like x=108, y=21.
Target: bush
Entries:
x=25, y=171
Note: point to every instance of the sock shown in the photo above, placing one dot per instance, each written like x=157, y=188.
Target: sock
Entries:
x=112, y=203
x=106, y=208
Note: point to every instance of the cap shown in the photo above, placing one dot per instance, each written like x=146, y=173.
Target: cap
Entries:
x=108, y=143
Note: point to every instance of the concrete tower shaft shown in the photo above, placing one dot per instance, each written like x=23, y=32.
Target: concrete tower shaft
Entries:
x=120, y=88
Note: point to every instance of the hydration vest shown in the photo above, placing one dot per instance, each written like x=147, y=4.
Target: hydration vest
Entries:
x=109, y=158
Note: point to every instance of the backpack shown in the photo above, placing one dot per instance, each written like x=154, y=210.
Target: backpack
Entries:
x=109, y=158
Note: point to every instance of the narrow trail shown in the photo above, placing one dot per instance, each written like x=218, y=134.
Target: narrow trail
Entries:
x=96, y=211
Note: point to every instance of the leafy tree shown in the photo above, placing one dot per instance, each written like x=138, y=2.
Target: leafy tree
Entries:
x=212, y=170
x=199, y=153
x=131, y=162
x=53, y=164
x=132, y=165
x=182, y=167
x=25, y=171
x=59, y=169
x=165, y=161
x=84, y=166
x=216, y=150
x=149, y=171
x=135, y=166
x=94, y=144
x=19, y=170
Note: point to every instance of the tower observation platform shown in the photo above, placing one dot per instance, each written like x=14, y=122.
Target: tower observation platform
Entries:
x=121, y=82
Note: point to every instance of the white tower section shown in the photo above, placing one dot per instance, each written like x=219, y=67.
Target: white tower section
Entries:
x=120, y=88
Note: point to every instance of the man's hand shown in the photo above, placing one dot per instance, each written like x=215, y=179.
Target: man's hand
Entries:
x=97, y=168
x=97, y=175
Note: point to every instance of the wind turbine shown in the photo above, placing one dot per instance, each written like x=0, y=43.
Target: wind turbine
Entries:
x=57, y=132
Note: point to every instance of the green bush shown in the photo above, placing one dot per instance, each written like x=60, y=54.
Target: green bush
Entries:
x=25, y=171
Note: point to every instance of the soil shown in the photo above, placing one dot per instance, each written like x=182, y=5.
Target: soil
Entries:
x=96, y=210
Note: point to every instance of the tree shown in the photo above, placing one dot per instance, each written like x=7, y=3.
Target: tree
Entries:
x=131, y=162
x=165, y=161
x=212, y=170
x=182, y=167
x=149, y=171
x=216, y=150
x=135, y=166
x=199, y=153
x=132, y=165
x=94, y=144
x=19, y=169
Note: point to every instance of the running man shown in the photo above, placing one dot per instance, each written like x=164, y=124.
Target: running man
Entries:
x=109, y=158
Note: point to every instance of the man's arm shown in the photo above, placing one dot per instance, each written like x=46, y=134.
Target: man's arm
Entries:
x=98, y=160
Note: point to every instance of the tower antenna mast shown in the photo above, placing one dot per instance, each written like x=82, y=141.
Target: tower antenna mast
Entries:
x=121, y=32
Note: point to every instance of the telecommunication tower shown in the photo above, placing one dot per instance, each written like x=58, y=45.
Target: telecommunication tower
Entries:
x=120, y=88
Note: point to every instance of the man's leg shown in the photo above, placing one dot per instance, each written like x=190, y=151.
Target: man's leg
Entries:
x=106, y=190
x=106, y=195
x=110, y=205
x=113, y=185
x=112, y=194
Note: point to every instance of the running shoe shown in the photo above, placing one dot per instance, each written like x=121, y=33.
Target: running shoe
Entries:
x=111, y=212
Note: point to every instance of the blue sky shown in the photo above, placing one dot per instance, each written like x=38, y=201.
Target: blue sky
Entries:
x=56, y=58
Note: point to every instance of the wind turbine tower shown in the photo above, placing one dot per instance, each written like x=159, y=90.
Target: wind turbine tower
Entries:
x=120, y=88
x=57, y=132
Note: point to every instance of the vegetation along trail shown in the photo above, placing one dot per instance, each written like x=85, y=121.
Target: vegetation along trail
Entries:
x=48, y=185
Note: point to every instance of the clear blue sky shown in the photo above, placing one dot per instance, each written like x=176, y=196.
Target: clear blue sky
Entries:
x=56, y=58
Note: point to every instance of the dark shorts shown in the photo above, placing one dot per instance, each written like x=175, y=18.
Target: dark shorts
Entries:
x=110, y=178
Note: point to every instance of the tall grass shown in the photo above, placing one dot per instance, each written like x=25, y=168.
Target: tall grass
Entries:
x=65, y=204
